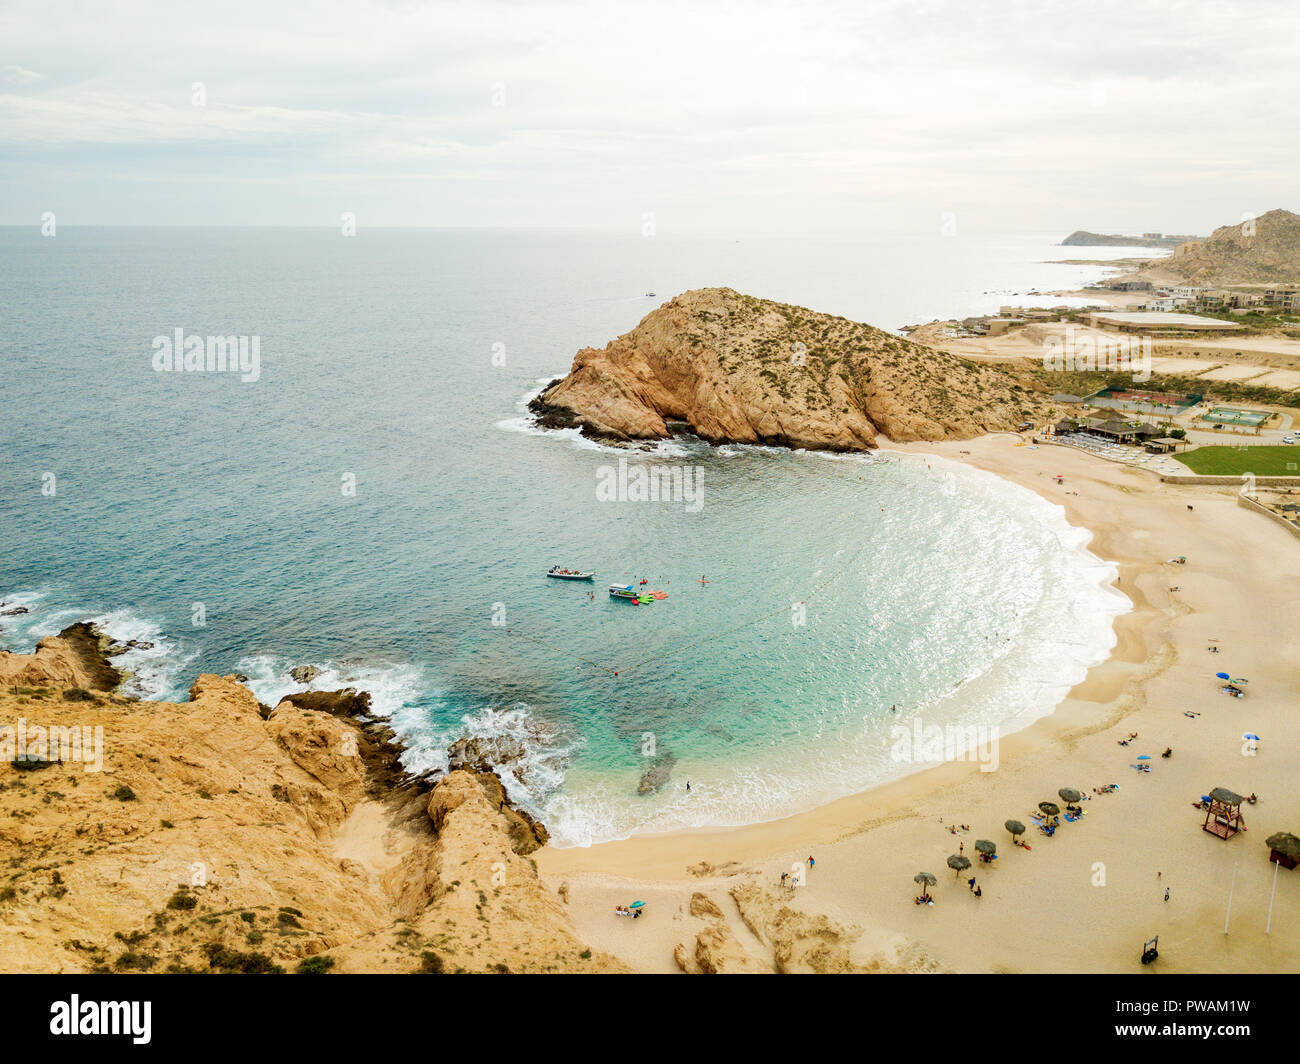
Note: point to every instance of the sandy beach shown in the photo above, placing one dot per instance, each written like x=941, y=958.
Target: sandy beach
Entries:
x=1086, y=899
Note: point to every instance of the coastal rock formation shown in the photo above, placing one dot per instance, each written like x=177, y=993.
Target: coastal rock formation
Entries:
x=1263, y=250
x=480, y=754
x=653, y=779
x=734, y=368
x=1083, y=238
x=348, y=702
x=215, y=836
x=304, y=673
x=717, y=951
x=813, y=942
x=76, y=657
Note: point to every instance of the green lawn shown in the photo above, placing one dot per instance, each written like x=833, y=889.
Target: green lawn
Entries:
x=1282, y=460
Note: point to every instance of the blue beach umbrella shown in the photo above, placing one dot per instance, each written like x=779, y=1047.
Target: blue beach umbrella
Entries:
x=1251, y=735
x=1223, y=676
x=1144, y=757
x=636, y=905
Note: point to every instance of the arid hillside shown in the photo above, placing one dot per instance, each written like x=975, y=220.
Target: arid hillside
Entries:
x=1263, y=250
x=735, y=368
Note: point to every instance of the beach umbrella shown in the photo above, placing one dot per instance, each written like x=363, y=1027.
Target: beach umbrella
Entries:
x=1070, y=794
x=1285, y=843
x=1144, y=757
x=1015, y=827
x=958, y=863
x=1223, y=676
x=1241, y=681
x=1252, y=736
x=984, y=846
x=925, y=879
x=1050, y=808
x=637, y=905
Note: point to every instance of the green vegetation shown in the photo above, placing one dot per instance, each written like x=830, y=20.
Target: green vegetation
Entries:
x=315, y=965
x=132, y=961
x=77, y=694
x=182, y=899
x=1233, y=461
x=227, y=960
x=1085, y=384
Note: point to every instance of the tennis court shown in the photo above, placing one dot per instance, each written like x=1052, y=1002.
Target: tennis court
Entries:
x=1145, y=402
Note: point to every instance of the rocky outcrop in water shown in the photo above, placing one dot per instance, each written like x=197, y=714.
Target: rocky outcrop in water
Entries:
x=654, y=778
x=733, y=368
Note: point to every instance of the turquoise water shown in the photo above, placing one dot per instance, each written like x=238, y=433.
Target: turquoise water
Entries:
x=948, y=593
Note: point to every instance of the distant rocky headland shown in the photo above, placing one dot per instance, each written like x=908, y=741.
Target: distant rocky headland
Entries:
x=734, y=368
x=1083, y=238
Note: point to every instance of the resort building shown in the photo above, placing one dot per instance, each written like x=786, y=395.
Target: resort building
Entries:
x=1142, y=322
x=1282, y=297
x=1162, y=445
x=1117, y=430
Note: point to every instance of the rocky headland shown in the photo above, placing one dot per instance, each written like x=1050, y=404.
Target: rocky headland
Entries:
x=222, y=835
x=733, y=368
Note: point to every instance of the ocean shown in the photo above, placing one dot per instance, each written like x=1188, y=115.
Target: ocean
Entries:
x=376, y=503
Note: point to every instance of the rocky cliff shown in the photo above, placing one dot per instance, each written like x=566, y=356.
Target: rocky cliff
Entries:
x=1263, y=250
x=734, y=368
x=220, y=835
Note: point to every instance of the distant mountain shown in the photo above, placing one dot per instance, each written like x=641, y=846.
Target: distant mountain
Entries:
x=1083, y=238
x=1263, y=250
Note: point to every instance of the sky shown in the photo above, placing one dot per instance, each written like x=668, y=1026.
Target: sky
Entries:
x=704, y=116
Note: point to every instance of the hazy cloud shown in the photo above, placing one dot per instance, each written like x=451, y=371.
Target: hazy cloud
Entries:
x=775, y=116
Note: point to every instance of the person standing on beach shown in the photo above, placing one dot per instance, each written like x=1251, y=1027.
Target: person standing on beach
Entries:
x=1166, y=893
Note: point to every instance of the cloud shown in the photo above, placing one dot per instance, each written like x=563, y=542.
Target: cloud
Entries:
x=581, y=112
x=16, y=75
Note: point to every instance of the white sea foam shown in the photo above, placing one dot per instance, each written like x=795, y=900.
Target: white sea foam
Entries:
x=531, y=780
x=392, y=687
x=156, y=671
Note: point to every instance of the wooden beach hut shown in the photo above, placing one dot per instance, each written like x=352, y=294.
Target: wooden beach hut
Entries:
x=1283, y=849
x=1223, y=814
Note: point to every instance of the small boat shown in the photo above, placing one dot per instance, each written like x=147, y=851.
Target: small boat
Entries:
x=620, y=591
x=568, y=574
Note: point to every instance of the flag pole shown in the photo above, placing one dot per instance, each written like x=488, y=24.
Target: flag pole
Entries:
x=1271, y=896
x=1231, y=885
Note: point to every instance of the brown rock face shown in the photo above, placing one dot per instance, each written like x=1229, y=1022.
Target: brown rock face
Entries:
x=76, y=657
x=209, y=836
x=733, y=368
x=1260, y=250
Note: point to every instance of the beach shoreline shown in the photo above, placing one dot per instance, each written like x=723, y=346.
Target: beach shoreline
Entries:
x=867, y=844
